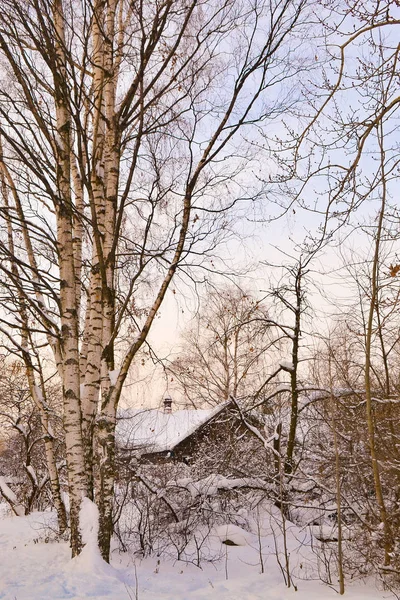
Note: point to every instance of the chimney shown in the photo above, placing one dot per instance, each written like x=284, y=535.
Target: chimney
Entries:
x=167, y=404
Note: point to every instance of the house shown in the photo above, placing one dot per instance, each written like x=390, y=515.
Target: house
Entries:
x=208, y=440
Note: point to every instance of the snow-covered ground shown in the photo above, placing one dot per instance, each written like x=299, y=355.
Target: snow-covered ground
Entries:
x=34, y=566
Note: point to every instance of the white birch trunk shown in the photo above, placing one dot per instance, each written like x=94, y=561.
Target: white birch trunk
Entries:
x=106, y=423
x=7, y=493
x=69, y=316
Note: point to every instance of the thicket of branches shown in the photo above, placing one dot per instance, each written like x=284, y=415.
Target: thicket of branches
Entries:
x=132, y=137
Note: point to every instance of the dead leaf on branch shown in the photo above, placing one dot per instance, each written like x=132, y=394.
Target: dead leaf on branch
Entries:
x=393, y=270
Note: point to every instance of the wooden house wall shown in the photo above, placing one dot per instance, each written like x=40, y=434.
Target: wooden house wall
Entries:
x=223, y=445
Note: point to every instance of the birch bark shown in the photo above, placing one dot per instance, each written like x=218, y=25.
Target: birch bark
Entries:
x=69, y=316
x=105, y=431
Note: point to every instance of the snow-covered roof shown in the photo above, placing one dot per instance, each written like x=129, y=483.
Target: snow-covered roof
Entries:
x=157, y=431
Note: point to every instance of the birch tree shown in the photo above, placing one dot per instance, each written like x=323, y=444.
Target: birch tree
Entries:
x=122, y=151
